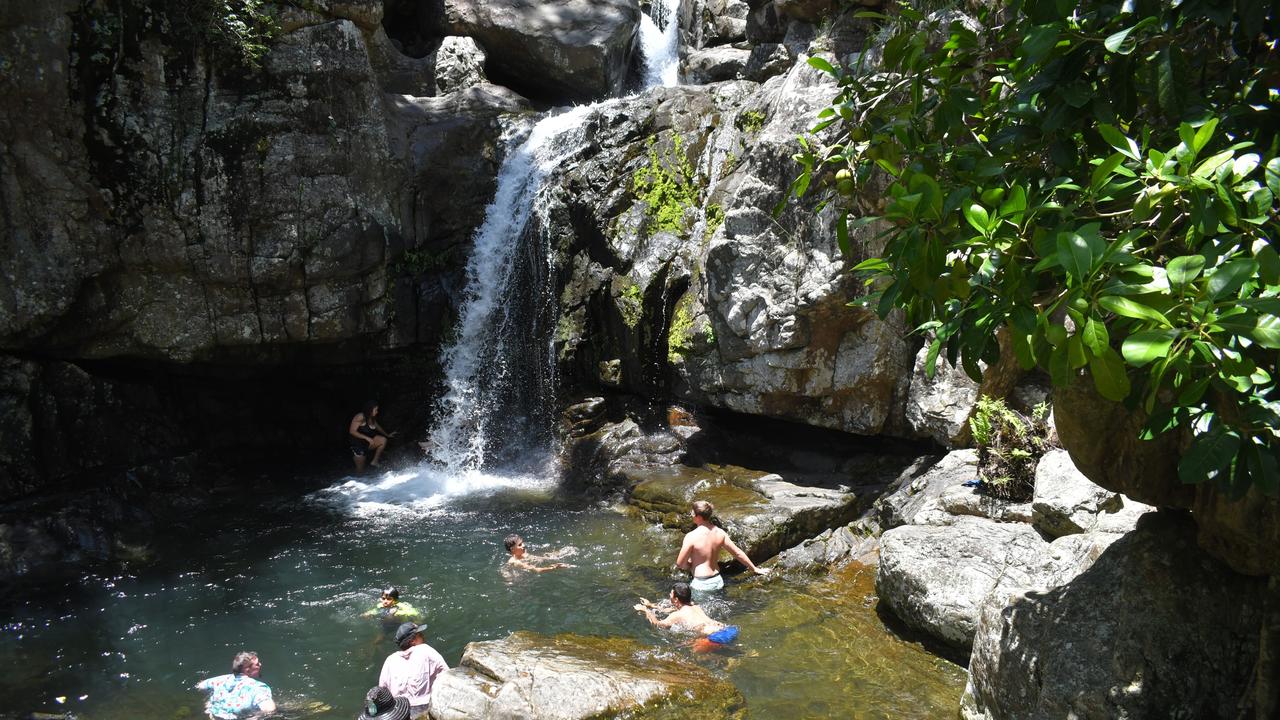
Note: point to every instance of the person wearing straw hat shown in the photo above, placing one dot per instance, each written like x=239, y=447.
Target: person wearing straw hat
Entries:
x=380, y=704
x=411, y=671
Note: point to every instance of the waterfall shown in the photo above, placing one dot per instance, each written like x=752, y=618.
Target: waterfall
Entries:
x=660, y=43
x=494, y=363
x=500, y=369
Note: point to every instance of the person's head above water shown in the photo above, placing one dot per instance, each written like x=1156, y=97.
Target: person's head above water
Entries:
x=681, y=593
x=390, y=596
x=246, y=663
x=704, y=510
x=512, y=542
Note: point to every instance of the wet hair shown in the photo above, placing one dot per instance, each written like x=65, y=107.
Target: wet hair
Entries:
x=704, y=510
x=243, y=661
x=511, y=540
x=392, y=592
x=368, y=409
x=683, y=593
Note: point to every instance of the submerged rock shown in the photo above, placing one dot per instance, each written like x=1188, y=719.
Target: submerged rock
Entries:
x=1155, y=628
x=572, y=677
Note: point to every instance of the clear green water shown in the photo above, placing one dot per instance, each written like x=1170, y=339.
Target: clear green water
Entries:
x=290, y=580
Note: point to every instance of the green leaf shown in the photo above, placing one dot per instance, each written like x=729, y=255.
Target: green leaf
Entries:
x=1211, y=164
x=1109, y=376
x=1075, y=255
x=1273, y=176
x=1119, y=42
x=1105, y=169
x=1208, y=455
x=931, y=358
x=823, y=65
x=1268, y=265
x=1075, y=352
x=872, y=265
x=1131, y=309
x=977, y=217
x=1267, y=332
x=1229, y=276
x=1039, y=41
x=842, y=234
x=1204, y=135
x=1183, y=270
x=1095, y=336
x=1119, y=141
x=1141, y=348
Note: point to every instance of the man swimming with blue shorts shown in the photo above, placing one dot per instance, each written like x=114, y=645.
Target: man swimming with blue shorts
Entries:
x=682, y=614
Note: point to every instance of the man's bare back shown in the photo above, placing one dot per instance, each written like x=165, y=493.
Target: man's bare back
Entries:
x=700, y=552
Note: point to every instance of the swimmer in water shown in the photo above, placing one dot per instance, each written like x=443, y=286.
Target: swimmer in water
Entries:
x=520, y=560
x=391, y=610
x=682, y=614
x=700, y=553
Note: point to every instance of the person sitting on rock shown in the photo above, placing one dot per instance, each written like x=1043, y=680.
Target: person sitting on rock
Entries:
x=700, y=552
x=520, y=560
x=367, y=436
x=240, y=694
x=683, y=614
x=391, y=611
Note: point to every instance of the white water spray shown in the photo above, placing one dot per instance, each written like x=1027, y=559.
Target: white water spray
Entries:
x=660, y=44
x=476, y=360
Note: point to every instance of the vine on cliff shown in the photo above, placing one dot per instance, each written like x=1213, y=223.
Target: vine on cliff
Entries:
x=1098, y=182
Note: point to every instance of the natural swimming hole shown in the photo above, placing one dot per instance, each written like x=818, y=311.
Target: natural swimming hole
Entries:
x=290, y=578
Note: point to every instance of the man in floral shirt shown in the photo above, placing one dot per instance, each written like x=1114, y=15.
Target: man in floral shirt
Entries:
x=240, y=694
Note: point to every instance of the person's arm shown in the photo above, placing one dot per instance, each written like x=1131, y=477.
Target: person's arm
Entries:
x=742, y=557
x=653, y=619
x=265, y=703
x=354, y=428
x=683, y=561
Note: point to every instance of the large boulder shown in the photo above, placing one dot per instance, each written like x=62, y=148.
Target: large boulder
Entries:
x=459, y=64
x=1154, y=628
x=1103, y=439
x=917, y=496
x=715, y=65
x=1065, y=502
x=562, y=50
x=935, y=578
x=938, y=407
x=571, y=677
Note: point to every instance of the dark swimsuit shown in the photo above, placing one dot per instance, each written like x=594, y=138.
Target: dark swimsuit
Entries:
x=359, y=446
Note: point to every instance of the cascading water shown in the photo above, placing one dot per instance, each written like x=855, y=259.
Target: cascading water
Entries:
x=500, y=368
x=660, y=43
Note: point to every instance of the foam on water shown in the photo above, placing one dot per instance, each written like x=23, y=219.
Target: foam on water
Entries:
x=424, y=489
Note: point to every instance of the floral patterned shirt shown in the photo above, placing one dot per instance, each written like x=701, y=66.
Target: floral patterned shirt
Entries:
x=234, y=696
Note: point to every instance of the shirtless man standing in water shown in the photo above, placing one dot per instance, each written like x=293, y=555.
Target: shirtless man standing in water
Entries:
x=700, y=552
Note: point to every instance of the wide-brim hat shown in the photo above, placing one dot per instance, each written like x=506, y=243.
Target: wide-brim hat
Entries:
x=380, y=705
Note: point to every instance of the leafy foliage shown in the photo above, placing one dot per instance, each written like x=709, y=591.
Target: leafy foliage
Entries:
x=1098, y=181
x=1009, y=448
x=668, y=186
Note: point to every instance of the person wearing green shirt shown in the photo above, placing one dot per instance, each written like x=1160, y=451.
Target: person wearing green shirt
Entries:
x=391, y=611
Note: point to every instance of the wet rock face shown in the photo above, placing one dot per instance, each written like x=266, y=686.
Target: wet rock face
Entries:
x=574, y=677
x=561, y=50
x=709, y=297
x=1154, y=628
